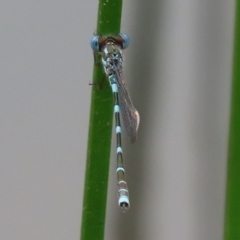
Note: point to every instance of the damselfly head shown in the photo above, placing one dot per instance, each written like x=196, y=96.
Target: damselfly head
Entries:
x=98, y=43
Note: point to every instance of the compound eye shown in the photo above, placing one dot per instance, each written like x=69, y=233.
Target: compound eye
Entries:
x=125, y=40
x=94, y=43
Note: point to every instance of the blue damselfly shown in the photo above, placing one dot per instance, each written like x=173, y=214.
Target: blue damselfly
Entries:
x=110, y=49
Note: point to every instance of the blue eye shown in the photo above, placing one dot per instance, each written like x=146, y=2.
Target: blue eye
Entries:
x=94, y=43
x=125, y=39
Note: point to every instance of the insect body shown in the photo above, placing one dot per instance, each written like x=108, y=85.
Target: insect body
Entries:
x=110, y=49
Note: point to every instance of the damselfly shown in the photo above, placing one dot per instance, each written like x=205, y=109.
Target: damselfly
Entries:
x=110, y=49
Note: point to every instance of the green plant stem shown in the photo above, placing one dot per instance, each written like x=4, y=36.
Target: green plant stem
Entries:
x=232, y=211
x=99, y=136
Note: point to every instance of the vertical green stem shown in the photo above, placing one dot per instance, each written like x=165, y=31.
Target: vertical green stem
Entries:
x=232, y=211
x=99, y=136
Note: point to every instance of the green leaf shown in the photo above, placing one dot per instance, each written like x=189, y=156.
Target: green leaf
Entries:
x=232, y=211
